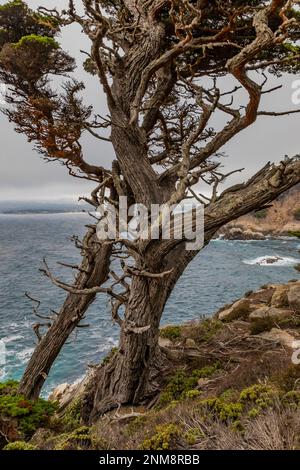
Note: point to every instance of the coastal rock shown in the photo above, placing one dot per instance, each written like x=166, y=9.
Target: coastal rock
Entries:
x=190, y=343
x=270, y=312
x=59, y=392
x=269, y=260
x=237, y=233
x=237, y=310
x=279, y=336
x=294, y=298
x=262, y=297
x=280, y=296
x=165, y=342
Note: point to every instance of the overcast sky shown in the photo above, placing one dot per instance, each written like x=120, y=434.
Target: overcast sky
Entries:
x=24, y=175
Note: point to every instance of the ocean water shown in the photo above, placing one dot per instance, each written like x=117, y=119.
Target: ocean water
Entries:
x=221, y=273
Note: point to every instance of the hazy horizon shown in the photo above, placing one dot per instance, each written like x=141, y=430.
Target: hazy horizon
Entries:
x=25, y=176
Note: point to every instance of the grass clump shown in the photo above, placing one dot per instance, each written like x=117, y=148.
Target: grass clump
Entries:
x=111, y=354
x=289, y=378
x=182, y=385
x=258, y=397
x=135, y=425
x=225, y=411
x=163, y=439
x=72, y=415
x=9, y=387
x=170, y=332
x=19, y=445
x=79, y=439
x=294, y=233
x=260, y=325
x=209, y=328
x=192, y=435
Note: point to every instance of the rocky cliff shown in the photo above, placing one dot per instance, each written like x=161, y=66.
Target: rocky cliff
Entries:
x=281, y=219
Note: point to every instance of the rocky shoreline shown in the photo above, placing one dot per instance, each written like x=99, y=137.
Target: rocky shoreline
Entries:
x=243, y=232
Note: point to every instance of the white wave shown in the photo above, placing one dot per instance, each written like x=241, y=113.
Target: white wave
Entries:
x=25, y=354
x=272, y=261
x=110, y=343
x=12, y=338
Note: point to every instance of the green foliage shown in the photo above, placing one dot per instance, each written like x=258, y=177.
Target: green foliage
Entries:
x=289, y=378
x=111, y=354
x=29, y=414
x=90, y=66
x=72, y=415
x=181, y=384
x=262, y=214
x=296, y=214
x=79, y=439
x=19, y=445
x=163, y=439
x=261, y=324
x=225, y=411
x=28, y=49
x=12, y=4
x=294, y=233
x=136, y=424
x=17, y=20
x=262, y=395
x=297, y=267
x=209, y=328
x=171, y=332
x=192, y=394
x=254, y=412
x=35, y=41
x=291, y=398
x=9, y=387
x=192, y=435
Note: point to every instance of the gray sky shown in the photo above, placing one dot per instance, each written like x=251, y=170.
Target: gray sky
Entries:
x=24, y=175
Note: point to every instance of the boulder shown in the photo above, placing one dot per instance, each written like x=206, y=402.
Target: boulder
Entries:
x=190, y=343
x=294, y=298
x=280, y=296
x=262, y=296
x=279, y=336
x=58, y=393
x=165, y=342
x=270, y=312
x=237, y=310
x=238, y=233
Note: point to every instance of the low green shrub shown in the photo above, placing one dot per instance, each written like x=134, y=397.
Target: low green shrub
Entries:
x=171, y=332
x=181, y=384
x=163, y=439
x=29, y=414
x=19, y=445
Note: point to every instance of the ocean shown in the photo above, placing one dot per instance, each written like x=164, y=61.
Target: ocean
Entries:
x=221, y=273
